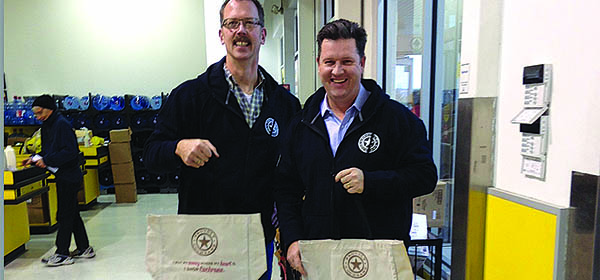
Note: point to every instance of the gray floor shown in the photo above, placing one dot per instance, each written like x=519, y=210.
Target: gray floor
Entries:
x=116, y=231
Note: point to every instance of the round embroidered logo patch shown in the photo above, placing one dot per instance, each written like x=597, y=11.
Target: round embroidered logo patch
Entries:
x=368, y=143
x=271, y=127
x=204, y=241
x=355, y=264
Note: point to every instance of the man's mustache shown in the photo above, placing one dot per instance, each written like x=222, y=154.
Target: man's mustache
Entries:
x=241, y=39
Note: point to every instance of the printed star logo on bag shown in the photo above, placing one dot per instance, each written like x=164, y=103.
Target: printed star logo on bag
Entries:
x=355, y=264
x=204, y=241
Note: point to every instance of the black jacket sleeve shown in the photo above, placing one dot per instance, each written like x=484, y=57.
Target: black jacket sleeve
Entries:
x=289, y=193
x=159, y=150
x=413, y=173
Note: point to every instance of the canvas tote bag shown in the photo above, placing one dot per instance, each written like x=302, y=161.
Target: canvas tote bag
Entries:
x=205, y=247
x=355, y=259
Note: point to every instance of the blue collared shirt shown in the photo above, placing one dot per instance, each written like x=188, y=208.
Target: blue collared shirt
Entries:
x=337, y=128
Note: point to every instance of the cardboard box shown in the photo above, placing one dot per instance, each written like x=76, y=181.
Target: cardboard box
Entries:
x=81, y=192
x=119, y=152
x=123, y=173
x=433, y=205
x=81, y=196
x=36, y=215
x=35, y=210
x=126, y=193
x=120, y=135
x=35, y=202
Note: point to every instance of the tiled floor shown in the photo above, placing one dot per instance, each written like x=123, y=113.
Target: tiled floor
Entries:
x=116, y=231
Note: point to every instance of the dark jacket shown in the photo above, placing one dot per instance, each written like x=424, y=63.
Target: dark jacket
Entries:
x=60, y=148
x=240, y=181
x=386, y=141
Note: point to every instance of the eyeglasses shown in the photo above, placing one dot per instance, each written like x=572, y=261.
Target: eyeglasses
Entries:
x=234, y=23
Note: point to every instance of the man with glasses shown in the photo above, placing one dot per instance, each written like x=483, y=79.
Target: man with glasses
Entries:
x=224, y=127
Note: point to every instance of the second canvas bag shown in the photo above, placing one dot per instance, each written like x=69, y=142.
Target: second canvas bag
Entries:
x=355, y=259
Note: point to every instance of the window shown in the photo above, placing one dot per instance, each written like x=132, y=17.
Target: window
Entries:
x=421, y=41
x=405, y=53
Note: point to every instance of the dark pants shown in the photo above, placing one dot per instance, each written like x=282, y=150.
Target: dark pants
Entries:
x=69, y=221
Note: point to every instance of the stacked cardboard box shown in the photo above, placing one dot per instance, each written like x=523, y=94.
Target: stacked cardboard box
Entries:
x=35, y=209
x=433, y=205
x=122, y=166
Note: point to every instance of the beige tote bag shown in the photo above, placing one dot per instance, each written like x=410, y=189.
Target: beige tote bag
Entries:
x=355, y=259
x=205, y=247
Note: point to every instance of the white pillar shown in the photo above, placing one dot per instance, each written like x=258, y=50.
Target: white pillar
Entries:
x=307, y=73
x=214, y=49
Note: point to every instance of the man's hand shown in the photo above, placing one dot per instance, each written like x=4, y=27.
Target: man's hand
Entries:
x=195, y=152
x=294, y=259
x=353, y=180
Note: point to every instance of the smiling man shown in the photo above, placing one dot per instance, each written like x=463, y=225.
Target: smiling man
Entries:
x=354, y=159
x=223, y=129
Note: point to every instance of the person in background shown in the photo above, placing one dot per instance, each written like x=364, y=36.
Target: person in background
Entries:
x=224, y=127
x=354, y=159
x=60, y=155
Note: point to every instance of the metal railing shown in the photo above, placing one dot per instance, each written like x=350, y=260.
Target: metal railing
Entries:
x=427, y=266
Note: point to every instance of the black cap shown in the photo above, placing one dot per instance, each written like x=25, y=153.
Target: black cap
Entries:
x=44, y=101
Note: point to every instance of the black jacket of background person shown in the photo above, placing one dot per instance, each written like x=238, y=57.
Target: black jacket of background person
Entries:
x=60, y=148
x=397, y=166
x=241, y=180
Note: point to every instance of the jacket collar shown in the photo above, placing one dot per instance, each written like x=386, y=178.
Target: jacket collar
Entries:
x=214, y=79
x=376, y=99
x=51, y=119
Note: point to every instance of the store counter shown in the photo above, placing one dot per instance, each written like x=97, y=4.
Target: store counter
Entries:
x=96, y=157
x=20, y=186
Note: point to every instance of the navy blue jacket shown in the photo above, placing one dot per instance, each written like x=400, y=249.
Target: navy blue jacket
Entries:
x=241, y=180
x=60, y=148
x=386, y=141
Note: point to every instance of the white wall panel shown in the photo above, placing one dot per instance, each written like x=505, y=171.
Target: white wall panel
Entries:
x=110, y=46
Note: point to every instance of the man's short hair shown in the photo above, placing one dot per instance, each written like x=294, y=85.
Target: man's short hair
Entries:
x=343, y=29
x=261, y=12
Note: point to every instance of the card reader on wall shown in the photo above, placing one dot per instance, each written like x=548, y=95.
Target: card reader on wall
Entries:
x=533, y=126
x=533, y=119
x=534, y=138
x=537, y=82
